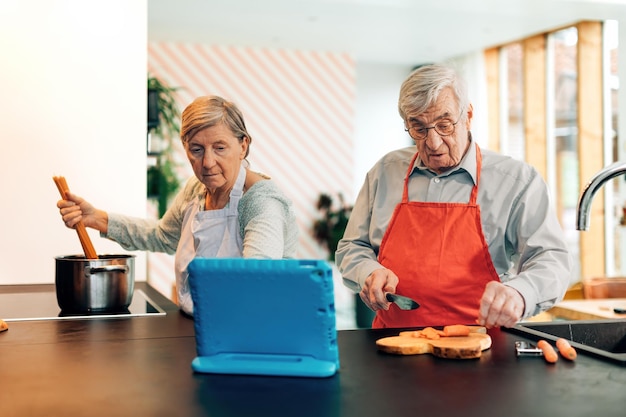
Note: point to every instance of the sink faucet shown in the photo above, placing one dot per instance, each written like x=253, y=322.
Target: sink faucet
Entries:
x=598, y=180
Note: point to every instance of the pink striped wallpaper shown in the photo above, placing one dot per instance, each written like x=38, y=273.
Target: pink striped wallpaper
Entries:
x=299, y=110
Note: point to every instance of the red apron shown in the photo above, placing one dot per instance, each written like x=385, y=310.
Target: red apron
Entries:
x=441, y=258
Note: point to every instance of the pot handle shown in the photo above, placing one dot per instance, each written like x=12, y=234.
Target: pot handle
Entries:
x=105, y=268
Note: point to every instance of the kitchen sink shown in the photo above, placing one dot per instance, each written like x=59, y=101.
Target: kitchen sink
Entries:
x=604, y=339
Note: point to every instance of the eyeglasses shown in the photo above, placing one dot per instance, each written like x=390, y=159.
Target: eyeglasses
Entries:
x=443, y=128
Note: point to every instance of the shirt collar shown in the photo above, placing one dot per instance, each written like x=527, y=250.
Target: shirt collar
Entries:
x=468, y=163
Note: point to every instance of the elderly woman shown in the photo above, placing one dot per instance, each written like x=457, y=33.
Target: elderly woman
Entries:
x=225, y=210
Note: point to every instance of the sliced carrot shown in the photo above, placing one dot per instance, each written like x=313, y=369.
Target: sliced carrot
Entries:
x=549, y=354
x=565, y=349
x=456, y=330
x=431, y=333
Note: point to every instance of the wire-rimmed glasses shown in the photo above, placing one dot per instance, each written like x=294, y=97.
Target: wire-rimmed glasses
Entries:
x=443, y=127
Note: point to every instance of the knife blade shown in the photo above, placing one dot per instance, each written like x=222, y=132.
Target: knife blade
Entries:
x=404, y=303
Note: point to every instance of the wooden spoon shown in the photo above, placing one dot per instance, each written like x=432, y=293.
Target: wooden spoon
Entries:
x=85, y=241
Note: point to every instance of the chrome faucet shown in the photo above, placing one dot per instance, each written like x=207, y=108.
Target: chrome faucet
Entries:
x=598, y=180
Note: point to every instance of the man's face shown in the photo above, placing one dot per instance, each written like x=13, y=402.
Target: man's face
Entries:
x=441, y=153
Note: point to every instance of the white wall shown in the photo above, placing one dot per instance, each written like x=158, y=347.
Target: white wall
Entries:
x=472, y=68
x=73, y=88
x=378, y=125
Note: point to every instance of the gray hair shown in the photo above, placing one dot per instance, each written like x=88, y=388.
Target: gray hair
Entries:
x=422, y=88
x=209, y=111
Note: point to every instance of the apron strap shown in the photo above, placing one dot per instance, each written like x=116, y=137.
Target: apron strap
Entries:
x=479, y=165
x=237, y=191
x=405, y=192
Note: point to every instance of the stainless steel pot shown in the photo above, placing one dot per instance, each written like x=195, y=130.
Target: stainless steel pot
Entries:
x=85, y=285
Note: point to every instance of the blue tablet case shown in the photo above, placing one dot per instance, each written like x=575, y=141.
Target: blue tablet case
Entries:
x=264, y=317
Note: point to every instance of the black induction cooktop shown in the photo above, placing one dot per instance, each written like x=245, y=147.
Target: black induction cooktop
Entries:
x=44, y=306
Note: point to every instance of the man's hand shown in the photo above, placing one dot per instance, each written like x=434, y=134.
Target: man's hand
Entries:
x=376, y=285
x=500, y=305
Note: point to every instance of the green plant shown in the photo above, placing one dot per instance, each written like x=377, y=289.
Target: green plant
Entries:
x=162, y=179
x=329, y=230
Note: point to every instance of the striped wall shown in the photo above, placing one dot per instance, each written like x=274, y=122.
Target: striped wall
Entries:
x=299, y=110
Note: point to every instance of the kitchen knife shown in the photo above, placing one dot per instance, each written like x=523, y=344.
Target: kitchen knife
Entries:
x=405, y=303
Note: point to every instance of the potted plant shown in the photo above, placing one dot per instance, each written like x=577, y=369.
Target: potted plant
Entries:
x=328, y=230
x=163, y=122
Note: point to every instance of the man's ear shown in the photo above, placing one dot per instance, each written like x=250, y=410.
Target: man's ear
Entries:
x=470, y=114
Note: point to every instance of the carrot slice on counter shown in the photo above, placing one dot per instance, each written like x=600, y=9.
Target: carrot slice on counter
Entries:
x=549, y=354
x=456, y=330
x=565, y=349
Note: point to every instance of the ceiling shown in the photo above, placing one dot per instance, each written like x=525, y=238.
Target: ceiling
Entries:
x=407, y=32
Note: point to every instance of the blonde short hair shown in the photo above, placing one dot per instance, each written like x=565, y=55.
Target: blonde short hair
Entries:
x=209, y=111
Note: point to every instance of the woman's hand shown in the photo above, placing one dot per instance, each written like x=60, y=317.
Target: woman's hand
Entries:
x=76, y=208
x=376, y=285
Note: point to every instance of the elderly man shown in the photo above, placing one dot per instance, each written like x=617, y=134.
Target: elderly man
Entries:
x=468, y=233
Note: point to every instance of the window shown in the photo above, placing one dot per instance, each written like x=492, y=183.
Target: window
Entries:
x=562, y=132
x=557, y=98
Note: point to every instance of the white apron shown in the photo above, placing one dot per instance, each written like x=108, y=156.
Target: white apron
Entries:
x=208, y=234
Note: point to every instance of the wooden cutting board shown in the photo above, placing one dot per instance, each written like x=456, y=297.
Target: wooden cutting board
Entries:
x=463, y=347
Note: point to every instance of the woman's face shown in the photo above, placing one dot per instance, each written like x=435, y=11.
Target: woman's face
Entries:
x=442, y=153
x=215, y=155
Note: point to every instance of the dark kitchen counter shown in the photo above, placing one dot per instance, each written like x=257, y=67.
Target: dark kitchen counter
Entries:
x=140, y=366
